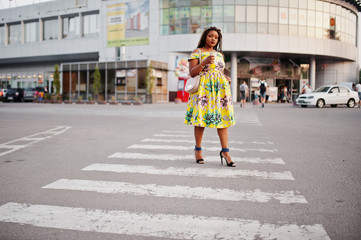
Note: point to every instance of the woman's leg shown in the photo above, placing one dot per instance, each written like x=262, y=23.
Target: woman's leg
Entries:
x=198, y=135
x=223, y=137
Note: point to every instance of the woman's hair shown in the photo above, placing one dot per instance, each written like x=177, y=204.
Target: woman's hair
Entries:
x=202, y=41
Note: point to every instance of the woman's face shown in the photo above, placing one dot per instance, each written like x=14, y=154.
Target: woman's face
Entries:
x=212, y=38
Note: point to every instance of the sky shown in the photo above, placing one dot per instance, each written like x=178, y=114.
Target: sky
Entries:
x=17, y=3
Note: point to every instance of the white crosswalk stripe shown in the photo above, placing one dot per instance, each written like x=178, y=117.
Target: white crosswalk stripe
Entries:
x=23, y=142
x=187, y=148
x=174, y=157
x=204, y=141
x=176, y=191
x=155, y=225
x=190, y=172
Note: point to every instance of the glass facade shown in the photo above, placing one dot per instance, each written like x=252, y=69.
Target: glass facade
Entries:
x=120, y=81
x=305, y=18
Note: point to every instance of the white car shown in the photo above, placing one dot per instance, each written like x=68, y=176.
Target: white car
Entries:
x=331, y=94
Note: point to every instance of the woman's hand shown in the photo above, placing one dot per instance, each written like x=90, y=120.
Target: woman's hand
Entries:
x=228, y=79
x=209, y=60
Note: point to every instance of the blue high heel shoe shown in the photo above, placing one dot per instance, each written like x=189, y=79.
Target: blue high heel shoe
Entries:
x=229, y=164
x=201, y=160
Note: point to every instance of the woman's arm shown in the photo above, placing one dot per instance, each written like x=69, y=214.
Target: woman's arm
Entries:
x=196, y=65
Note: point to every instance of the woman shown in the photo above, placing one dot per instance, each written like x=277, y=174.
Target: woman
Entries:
x=212, y=105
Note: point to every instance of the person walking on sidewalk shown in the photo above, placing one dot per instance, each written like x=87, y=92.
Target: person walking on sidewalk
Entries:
x=212, y=105
x=262, y=87
x=244, y=93
x=358, y=89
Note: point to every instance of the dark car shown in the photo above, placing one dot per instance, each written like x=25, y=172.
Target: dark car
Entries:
x=29, y=94
x=14, y=94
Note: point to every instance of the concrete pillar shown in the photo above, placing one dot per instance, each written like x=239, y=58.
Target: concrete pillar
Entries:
x=313, y=73
x=6, y=34
x=41, y=30
x=60, y=29
x=234, y=76
x=22, y=32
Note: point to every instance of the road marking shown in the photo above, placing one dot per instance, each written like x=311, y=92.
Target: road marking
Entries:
x=155, y=225
x=247, y=118
x=172, y=135
x=171, y=131
x=173, y=157
x=191, y=172
x=185, y=141
x=32, y=139
x=204, y=141
x=176, y=191
x=184, y=148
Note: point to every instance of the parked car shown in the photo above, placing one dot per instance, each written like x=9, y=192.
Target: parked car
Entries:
x=14, y=94
x=29, y=94
x=329, y=95
x=2, y=93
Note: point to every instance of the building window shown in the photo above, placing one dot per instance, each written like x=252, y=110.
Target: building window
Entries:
x=15, y=33
x=71, y=27
x=91, y=24
x=159, y=82
x=31, y=32
x=51, y=29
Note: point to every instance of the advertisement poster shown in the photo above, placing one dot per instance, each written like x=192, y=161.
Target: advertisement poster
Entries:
x=181, y=66
x=128, y=24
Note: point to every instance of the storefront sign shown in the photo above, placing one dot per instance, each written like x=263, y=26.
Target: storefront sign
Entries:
x=333, y=23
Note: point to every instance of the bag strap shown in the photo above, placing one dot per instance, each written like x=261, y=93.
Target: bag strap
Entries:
x=200, y=55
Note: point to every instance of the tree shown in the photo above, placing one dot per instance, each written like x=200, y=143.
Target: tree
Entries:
x=57, y=80
x=97, y=82
x=149, y=79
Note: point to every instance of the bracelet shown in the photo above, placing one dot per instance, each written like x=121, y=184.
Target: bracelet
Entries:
x=201, y=65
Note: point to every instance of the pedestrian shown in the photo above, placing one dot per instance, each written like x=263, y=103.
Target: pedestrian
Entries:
x=244, y=93
x=262, y=87
x=358, y=89
x=306, y=89
x=212, y=105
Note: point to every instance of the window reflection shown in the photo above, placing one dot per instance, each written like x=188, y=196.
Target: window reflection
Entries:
x=2, y=35
x=15, y=34
x=51, y=29
x=31, y=32
x=91, y=24
x=71, y=27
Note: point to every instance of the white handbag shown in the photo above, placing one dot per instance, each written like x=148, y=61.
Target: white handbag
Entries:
x=192, y=84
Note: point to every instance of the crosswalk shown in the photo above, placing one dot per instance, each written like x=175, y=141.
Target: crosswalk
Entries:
x=159, y=151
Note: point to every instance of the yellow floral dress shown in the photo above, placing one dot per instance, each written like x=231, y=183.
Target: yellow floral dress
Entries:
x=212, y=105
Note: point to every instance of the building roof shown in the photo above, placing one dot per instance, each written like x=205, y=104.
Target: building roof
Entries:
x=356, y=3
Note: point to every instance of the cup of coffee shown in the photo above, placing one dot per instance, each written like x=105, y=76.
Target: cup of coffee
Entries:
x=213, y=54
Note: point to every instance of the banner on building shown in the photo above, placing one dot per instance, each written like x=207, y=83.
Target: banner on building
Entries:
x=128, y=24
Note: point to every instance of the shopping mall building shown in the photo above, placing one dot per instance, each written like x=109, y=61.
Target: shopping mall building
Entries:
x=287, y=42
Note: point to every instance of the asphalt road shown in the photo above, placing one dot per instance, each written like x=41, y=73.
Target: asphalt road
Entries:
x=127, y=172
